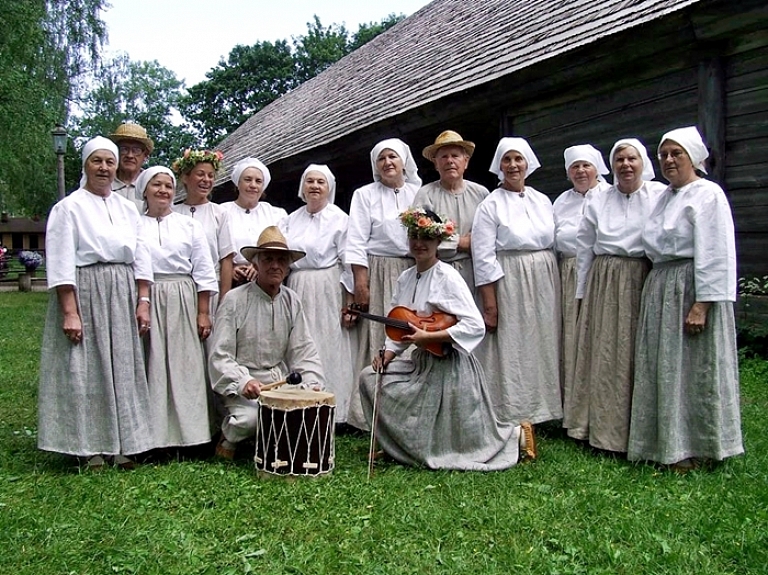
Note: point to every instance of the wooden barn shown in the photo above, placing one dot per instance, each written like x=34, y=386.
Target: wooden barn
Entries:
x=557, y=72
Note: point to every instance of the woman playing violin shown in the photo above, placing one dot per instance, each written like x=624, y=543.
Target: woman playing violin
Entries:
x=435, y=411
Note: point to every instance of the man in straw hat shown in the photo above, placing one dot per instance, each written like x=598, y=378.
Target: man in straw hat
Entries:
x=260, y=336
x=453, y=197
x=135, y=147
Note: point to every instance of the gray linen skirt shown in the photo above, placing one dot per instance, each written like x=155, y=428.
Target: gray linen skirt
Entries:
x=436, y=412
x=599, y=402
x=176, y=366
x=322, y=297
x=382, y=278
x=521, y=359
x=569, y=307
x=93, y=397
x=686, y=398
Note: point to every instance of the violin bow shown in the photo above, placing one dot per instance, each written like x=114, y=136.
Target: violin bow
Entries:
x=375, y=415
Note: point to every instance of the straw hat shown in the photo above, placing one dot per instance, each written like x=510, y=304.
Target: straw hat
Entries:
x=271, y=240
x=448, y=138
x=133, y=132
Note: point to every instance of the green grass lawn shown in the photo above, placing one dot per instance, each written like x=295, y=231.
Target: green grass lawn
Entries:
x=570, y=512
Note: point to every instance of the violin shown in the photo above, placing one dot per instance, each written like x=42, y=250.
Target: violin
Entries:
x=398, y=323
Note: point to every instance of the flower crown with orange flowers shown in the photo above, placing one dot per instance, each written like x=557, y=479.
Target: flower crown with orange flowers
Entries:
x=423, y=223
x=191, y=158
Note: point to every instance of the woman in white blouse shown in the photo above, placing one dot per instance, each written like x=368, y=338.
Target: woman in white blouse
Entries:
x=196, y=170
x=434, y=411
x=612, y=267
x=685, y=406
x=248, y=216
x=377, y=246
x=184, y=281
x=93, y=400
x=513, y=237
x=320, y=230
x=585, y=168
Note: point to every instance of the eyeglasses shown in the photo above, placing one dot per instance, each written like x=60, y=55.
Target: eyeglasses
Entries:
x=135, y=150
x=674, y=154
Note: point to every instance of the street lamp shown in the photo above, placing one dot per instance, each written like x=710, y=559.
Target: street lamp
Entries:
x=59, y=135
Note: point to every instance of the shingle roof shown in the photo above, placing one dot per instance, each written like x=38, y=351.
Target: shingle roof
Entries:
x=446, y=47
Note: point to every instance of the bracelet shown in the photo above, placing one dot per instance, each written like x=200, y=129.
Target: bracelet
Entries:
x=144, y=299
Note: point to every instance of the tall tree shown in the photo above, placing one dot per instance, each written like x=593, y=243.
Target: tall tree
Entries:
x=254, y=76
x=45, y=47
x=251, y=78
x=141, y=92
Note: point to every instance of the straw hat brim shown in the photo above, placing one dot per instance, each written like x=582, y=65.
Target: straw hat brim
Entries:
x=118, y=137
x=250, y=252
x=430, y=151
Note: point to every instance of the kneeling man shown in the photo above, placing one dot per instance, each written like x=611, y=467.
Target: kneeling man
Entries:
x=260, y=336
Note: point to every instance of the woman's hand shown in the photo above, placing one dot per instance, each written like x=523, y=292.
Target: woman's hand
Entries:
x=348, y=319
x=73, y=327
x=252, y=389
x=142, y=317
x=203, y=325
x=696, y=320
x=380, y=362
x=244, y=273
x=491, y=319
x=419, y=336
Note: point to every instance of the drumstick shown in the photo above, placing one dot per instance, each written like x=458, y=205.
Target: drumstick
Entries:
x=375, y=415
x=294, y=378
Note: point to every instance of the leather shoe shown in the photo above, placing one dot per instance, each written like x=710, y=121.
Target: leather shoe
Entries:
x=528, y=449
x=223, y=449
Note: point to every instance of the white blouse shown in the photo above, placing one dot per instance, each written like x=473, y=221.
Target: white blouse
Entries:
x=179, y=246
x=440, y=288
x=212, y=217
x=246, y=225
x=612, y=225
x=85, y=229
x=696, y=222
x=374, y=225
x=569, y=207
x=508, y=220
x=321, y=235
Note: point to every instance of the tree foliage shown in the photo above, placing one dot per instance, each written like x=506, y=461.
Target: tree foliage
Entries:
x=142, y=92
x=45, y=47
x=254, y=76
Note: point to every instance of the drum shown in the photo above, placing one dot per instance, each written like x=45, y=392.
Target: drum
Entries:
x=295, y=434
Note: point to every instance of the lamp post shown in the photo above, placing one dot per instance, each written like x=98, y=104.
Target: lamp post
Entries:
x=59, y=135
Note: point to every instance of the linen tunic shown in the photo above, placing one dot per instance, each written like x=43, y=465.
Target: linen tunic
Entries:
x=317, y=278
x=512, y=239
x=245, y=225
x=93, y=397
x=437, y=412
x=176, y=365
x=257, y=337
x=686, y=397
x=457, y=206
x=612, y=225
x=212, y=217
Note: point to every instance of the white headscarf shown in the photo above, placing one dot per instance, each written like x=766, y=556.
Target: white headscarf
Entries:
x=518, y=145
x=586, y=153
x=246, y=163
x=404, y=152
x=148, y=174
x=92, y=145
x=691, y=141
x=329, y=177
x=648, y=172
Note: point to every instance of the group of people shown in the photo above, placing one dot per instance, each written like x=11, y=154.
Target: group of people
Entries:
x=609, y=310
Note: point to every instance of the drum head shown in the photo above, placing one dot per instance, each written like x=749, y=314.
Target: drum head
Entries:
x=295, y=398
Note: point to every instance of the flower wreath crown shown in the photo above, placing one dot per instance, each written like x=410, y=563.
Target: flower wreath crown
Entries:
x=191, y=158
x=424, y=223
